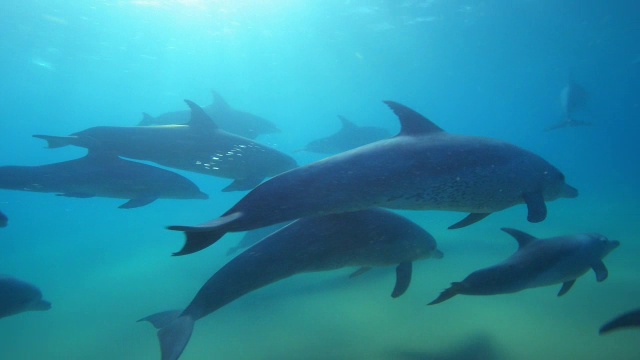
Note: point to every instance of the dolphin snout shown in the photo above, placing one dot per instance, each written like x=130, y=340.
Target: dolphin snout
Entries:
x=569, y=191
x=437, y=254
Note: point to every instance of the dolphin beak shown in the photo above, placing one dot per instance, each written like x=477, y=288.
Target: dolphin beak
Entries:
x=569, y=192
x=437, y=254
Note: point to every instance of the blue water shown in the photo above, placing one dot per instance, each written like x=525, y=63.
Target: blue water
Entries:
x=488, y=68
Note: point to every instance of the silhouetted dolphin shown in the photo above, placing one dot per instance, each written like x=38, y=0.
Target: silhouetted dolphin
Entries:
x=251, y=237
x=373, y=237
x=17, y=296
x=229, y=119
x=350, y=136
x=422, y=168
x=557, y=260
x=101, y=174
x=626, y=320
x=573, y=97
x=4, y=220
x=199, y=146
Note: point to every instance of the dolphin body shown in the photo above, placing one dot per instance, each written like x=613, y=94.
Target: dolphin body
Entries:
x=538, y=262
x=422, y=168
x=17, y=296
x=372, y=237
x=626, y=320
x=200, y=146
x=350, y=136
x=229, y=119
x=573, y=97
x=101, y=174
x=4, y=220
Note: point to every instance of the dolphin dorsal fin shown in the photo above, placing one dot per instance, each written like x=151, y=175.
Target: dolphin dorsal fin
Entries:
x=219, y=102
x=521, y=237
x=411, y=122
x=199, y=121
x=346, y=123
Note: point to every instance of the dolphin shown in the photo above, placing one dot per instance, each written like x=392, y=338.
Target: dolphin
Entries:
x=17, y=296
x=626, y=320
x=101, y=174
x=421, y=168
x=538, y=262
x=200, y=146
x=229, y=119
x=4, y=220
x=573, y=97
x=372, y=237
x=253, y=236
x=350, y=136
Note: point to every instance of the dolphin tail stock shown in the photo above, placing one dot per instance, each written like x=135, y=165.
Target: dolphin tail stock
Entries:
x=56, y=141
x=447, y=294
x=202, y=236
x=174, y=332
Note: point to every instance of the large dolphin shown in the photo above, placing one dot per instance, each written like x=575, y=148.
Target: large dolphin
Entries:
x=101, y=174
x=372, y=237
x=200, y=146
x=422, y=168
x=626, y=320
x=538, y=262
x=17, y=296
x=573, y=97
x=229, y=119
x=350, y=136
x=4, y=220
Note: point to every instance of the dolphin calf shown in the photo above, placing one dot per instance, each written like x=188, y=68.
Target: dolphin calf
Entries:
x=573, y=97
x=4, y=220
x=626, y=320
x=538, y=262
x=421, y=168
x=199, y=146
x=101, y=174
x=17, y=296
x=229, y=119
x=350, y=136
x=372, y=237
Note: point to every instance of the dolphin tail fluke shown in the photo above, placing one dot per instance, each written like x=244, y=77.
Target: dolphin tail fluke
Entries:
x=452, y=291
x=202, y=236
x=470, y=219
x=56, y=141
x=174, y=332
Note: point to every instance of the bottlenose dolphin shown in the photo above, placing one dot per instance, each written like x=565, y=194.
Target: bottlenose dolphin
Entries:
x=4, y=220
x=101, y=174
x=538, y=262
x=626, y=320
x=573, y=97
x=350, y=136
x=17, y=296
x=251, y=237
x=200, y=147
x=229, y=119
x=422, y=168
x=372, y=237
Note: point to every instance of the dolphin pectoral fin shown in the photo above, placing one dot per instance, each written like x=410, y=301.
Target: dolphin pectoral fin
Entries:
x=79, y=195
x=56, y=141
x=243, y=184
x=470, y=219
x=452, y=291
x=138, y=202
x=174, y=334
x=537, y=209
x=628, y=319
x=403, y=279
x=566, y=286
x=359, y=272
x=601, y=271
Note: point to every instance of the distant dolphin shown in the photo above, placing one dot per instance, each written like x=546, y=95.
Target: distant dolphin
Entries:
x=573, y=97
x=251, y=237
x=557, y=260
x=422, y=168
x=626, y=320
x=17, y=296
x=199, y=146
x=101, y=174
x=234, y=121
x=4, y=220
x=371, y=237
x=349, y=137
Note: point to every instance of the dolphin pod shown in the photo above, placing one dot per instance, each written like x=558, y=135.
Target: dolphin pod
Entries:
x=538, y=262
x=365, y=238
x=421, y=168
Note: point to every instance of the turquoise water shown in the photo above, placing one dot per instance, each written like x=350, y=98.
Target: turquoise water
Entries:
x=488, y=68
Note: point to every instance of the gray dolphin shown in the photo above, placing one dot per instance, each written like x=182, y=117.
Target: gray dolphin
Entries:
x=17, y=296
x=538, y=262
x=350, y=136
x=4, y=220
x=200, y=147
x=573, y=97
x=372, y=237
x=101, y=174
x=422, y=168
x=626, y=320
x=229, y=119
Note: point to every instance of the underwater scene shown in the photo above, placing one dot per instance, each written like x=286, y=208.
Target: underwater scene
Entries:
x=330, y=179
